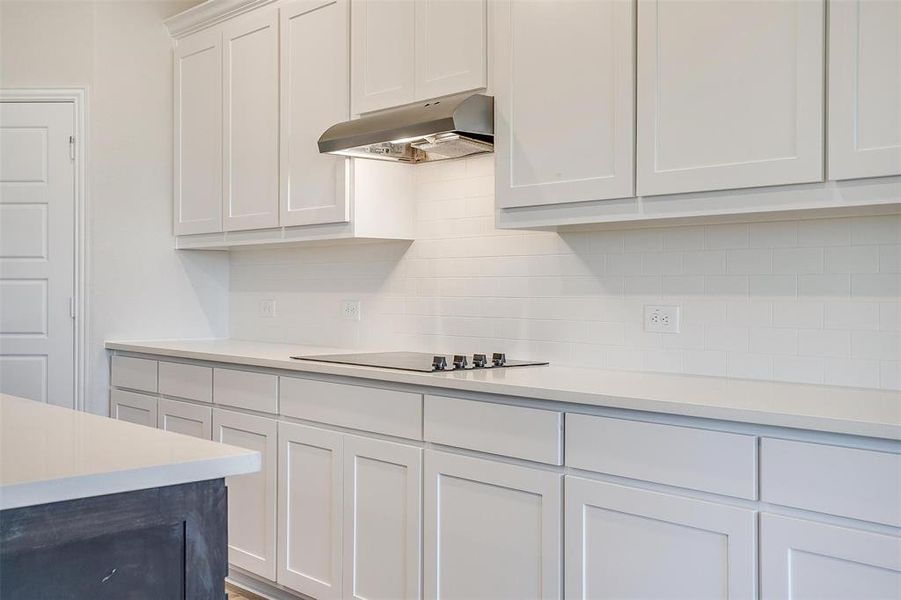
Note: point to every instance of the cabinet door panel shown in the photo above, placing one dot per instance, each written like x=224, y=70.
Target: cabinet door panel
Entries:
x=134, y=408
x=185, y=418
x=198, y=133
x=251, y=497
x=492, y=530
x=251, y=121
x=564, y=116
x=730, y=94
x=804, y=559
x=382, y=519
x=314, y=96
x=382, y=54
x=450, y=47
x=864, y=88
x=628, y=543
x=309, y=510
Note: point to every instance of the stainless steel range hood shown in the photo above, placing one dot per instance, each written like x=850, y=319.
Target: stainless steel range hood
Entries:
x=437, y=130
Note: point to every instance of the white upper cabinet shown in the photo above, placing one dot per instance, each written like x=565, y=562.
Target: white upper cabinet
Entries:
x=403, y=51
x=314, y=96
x=198, y=133
x=730, y=94
x=382, y=51
x=451, y=52
x=250, y=71
x=563, y=74
x=864, y=88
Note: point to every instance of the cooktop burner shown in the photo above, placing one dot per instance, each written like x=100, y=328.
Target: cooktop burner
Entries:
x=422, y=361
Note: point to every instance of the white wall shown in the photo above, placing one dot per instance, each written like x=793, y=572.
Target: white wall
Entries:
x=138, y=286
x=807, y=301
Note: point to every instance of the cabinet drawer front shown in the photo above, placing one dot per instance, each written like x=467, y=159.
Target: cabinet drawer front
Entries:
x=134, y=373
x=712, y=461
x=243, y=389
x=186, y=381
x=369, y=409
x=861, y=484
x=527, y=433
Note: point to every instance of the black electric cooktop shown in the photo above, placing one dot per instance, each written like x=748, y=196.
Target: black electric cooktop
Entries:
x=422, y=361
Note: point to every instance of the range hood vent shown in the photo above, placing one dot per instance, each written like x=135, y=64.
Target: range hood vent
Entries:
x=446, y=128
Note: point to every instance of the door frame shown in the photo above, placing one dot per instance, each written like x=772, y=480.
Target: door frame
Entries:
x=78, y=97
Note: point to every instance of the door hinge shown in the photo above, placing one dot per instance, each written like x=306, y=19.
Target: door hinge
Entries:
x=72, y=147
x=71, y=307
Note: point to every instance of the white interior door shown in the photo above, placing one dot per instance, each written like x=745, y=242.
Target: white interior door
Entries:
x=37, y=251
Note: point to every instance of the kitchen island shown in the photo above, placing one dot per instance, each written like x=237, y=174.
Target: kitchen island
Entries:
x=95, y=508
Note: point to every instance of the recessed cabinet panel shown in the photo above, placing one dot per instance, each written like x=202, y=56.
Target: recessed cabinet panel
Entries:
x=864, y=88
x=492, y=530
x=198, y=133
x=314, y=96
x=134, y=408
x=310, y=472
x=730, y=94
x=185, y=418
x=382, y=519
x=251, y=497
x=382, y=69
x=801, y=560
x=251, y=121
x=628, y=543
x=564, y=91
x=450, y=47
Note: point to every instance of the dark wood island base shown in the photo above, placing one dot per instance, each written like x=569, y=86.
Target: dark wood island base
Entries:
x=163, y=543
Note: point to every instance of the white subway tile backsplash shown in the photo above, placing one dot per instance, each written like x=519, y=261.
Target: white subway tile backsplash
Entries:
x=808, y=300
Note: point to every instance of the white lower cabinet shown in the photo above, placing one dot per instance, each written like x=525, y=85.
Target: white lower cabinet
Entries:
x=251, y=497
x=185, y=418
x=132, y=407
x=624, y=542
x=309, y=510
x=492, y=529
x=807, y=560
x=382, y=519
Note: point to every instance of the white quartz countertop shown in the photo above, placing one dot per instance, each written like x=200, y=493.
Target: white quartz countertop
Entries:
x=872, y=413
x=49, y=453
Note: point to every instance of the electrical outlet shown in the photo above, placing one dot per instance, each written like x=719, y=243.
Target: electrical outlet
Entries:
x=661, y=319
x=267, y=308
x=350, y=310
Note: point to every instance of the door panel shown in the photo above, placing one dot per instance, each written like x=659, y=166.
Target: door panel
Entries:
x=808, y=560
x=864, y=88
x=616, y=536
x=37, y=251
x=492, y=530
x=314, y=46
x=382, y=54
x=250, y=46
x=382, y=519
x=730, y=94
x=185, y=418
x=564, y=101
x=198, y=133
x=309, y=510
x=134, y=408
x=451, y=41
x=251, y=497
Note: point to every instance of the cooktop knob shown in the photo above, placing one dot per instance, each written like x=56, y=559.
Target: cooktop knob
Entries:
x=479, y=361
x=439, y=363
x=499, y=359
x=459, y=361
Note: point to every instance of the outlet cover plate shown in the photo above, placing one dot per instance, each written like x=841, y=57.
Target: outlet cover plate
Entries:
x=267, y=308
x=661, y=319
x=350, y=310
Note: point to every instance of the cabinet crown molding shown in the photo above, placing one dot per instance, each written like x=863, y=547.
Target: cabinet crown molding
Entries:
x=209, y=13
